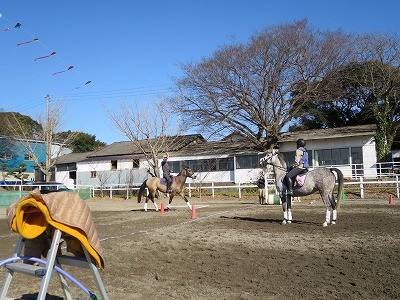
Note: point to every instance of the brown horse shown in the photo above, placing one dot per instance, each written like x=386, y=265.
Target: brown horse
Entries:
x=155, y=184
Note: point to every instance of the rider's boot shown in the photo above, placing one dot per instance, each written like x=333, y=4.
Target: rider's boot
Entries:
x=289, y=186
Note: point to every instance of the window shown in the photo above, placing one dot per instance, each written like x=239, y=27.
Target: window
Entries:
x=247, y=162
x=28, y=156
x=114, y=164
x=135, y=163
x=5, y=155
x=93, y=174
x=225, y=164
x=175, y=166
x=209, y=165
x=332, y=156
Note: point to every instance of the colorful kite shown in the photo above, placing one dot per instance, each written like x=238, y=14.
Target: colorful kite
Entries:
x=78, y=87
x=51, y=54
x=69, y=68
x=27, y=42
x=18, y=25
x=7, y=29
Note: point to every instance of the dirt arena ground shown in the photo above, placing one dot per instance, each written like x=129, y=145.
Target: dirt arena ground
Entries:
x=237, y=249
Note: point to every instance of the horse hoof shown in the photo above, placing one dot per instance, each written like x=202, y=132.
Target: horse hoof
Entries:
x=289, y=222
x=325, y=224
x=333, y=222
x=283, y=222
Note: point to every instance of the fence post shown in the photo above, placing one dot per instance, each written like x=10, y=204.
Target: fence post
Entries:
x=111, y=191
x=212, y=189
x=361, y=188
x=240, y=192
x=397, y=186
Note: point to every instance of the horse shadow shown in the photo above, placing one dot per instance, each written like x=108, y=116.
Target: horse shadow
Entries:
x=265, y=220
x=35, y=296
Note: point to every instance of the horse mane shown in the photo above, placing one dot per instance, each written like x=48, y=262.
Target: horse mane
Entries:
x=282, y=160
x=183, y=170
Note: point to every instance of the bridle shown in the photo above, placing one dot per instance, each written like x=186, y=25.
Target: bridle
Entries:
x=271, y=164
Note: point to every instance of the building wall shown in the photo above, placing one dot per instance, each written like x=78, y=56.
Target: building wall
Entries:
x=125, y=174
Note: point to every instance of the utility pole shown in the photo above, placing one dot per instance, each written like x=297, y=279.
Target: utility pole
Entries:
x=48, y=139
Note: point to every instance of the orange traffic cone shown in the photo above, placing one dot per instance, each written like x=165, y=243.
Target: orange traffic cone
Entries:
x=194, y=214
x=390, y=199
x=162, y=208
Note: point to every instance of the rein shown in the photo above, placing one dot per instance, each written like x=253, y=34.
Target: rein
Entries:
x=276, y=166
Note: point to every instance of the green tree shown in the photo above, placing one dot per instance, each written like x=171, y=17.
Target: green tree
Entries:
x=8, y=121
x=19, y=172
x=365, y=91
x=82, y=142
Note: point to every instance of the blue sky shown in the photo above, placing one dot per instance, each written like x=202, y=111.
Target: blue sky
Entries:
x=130, y=50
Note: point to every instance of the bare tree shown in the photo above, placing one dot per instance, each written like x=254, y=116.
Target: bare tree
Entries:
x=103, y=178
x=51, y=123
x=247, y=87
x=151, y=132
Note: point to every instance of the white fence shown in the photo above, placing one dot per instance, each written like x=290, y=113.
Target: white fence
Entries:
x=360, y=186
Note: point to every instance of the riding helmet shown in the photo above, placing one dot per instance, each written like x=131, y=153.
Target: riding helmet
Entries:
x=301, y=143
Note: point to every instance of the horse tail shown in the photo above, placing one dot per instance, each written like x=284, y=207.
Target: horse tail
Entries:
x=340, y=180
x=141, y=190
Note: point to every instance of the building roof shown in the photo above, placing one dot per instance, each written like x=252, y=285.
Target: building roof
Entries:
x=173, y=143
x=329, y=133
x=217, y=147
x=72, y=158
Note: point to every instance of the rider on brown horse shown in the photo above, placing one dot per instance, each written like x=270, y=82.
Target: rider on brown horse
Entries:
x=167, y=172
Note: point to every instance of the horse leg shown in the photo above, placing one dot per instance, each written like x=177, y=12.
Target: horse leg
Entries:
x=284, y=207
x=187, y=201
x=334, y=211
x=328, y=204
x=151, y=196
x=155, y=204
x=289, y=208
x=169, y=202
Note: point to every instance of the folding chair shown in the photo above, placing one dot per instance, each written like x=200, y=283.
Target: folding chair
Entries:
x=53, y=260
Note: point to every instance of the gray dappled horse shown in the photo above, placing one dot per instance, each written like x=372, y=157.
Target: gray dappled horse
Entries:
x=155, y=184
x=320, y=180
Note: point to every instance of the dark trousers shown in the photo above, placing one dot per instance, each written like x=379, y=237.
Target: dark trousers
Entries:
x=168, y=178
x=289, y=179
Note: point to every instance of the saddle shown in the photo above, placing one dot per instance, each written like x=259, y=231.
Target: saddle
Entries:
x=163, y=181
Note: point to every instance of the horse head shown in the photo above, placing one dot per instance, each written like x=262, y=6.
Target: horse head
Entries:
x=267, y=159
x=188, y=172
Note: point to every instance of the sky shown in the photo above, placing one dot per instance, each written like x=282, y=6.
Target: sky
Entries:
x=130, y=50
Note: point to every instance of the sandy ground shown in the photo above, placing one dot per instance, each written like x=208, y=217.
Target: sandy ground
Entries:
x=236, y=249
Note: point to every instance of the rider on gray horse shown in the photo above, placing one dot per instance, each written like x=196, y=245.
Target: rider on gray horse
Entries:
x=167, y=172
x=301, y=164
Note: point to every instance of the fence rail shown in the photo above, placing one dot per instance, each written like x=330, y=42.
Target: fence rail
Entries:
x=391, y=185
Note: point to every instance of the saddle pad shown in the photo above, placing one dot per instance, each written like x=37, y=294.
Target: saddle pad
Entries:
x=164, y=181
x=30, y=216
x=300, y=179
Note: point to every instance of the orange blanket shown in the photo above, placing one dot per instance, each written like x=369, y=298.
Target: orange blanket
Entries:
x=32, y=214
